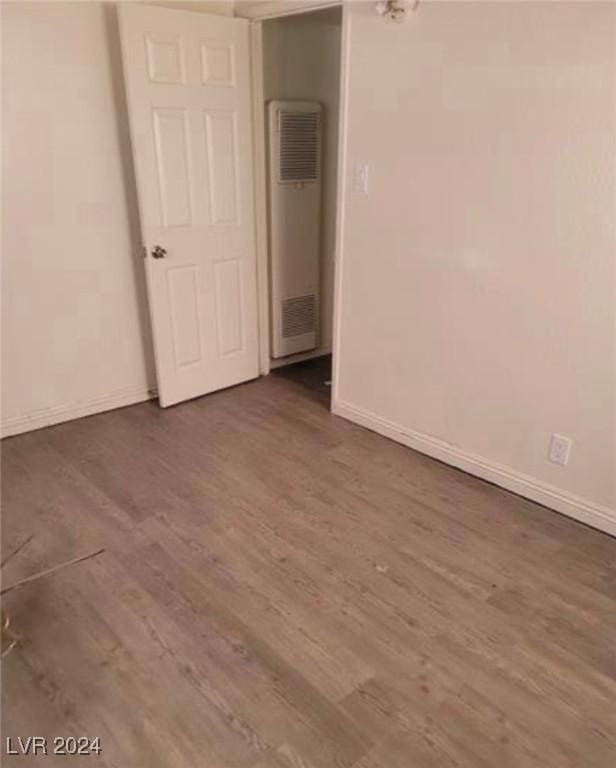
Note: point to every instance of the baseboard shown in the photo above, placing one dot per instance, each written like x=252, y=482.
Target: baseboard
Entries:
x=300, y=357
x=576, y=507
x=45, y=417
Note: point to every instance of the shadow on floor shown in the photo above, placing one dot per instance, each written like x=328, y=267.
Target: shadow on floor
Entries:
x=312, y=375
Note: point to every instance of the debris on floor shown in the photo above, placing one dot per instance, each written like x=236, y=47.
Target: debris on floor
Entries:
x=9, y=638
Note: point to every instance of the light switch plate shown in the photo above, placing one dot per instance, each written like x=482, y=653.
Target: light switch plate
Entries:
x=360, y=178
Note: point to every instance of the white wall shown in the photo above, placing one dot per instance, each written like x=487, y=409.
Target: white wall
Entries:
x=75, y=329
x=477, y=289
x=302, y=61
x=75, y=333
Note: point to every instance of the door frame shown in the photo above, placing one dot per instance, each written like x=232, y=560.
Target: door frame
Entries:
x=258, y=15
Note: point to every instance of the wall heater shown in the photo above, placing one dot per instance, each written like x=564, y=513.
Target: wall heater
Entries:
x=295, y=213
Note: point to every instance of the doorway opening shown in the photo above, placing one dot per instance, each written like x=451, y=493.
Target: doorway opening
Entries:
x=301, y=56
x=199, y=86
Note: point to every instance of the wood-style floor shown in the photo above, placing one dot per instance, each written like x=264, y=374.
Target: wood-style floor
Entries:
x=283, y=589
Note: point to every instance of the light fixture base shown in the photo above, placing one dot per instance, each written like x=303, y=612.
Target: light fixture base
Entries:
x=395, y=10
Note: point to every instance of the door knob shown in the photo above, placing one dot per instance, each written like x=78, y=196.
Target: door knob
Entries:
x=158, y=252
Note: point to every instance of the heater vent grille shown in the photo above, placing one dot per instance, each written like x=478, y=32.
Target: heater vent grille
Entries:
x=299, y=316
x=295, y=166
x=299, y=146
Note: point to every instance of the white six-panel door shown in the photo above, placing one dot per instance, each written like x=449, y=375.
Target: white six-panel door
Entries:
x=188, y=90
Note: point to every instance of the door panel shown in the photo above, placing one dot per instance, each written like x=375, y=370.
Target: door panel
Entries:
x=218, y=62
x=229, y=303
x=183, y=293
x=188, y=91
x=172, y=164
x=222, y=159
x=165, y=60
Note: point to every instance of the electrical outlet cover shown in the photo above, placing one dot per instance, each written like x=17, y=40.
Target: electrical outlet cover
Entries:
x=560, y=448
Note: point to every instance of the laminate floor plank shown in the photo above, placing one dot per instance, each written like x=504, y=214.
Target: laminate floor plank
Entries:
x=284, y=589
